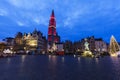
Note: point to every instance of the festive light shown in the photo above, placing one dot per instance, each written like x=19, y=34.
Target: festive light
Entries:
x=32, y=43
x=114, y=47
x=114, y=55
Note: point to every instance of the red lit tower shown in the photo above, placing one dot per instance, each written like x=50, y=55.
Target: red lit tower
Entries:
x=52, y=34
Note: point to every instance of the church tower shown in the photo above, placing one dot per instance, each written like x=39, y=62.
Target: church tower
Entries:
x=52, y=34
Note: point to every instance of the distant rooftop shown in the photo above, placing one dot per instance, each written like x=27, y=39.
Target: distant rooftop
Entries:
x=1, y=41
x=98, y=39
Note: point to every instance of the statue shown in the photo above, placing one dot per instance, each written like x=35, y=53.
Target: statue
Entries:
x=87, y=52
x=86, y=45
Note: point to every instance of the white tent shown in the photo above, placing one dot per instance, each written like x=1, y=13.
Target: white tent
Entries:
x=7, y=51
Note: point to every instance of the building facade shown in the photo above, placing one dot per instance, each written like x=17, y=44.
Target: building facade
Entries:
x=9, y=42
x=18, y=38
x=68, y=47
x=35, y=41
x=100, y=45
x=95, y=45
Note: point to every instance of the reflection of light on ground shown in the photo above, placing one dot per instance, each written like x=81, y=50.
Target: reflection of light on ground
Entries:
x=74, y=56
x=63, y=59
x=52, y=58
x=78, y=59
x=8, y=60
x=49, y=57
x=23, y=58
x=115, y=63
x=96, y=60
x=115, y=59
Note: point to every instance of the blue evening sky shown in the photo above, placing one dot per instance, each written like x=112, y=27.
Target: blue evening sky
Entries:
x=76, y=19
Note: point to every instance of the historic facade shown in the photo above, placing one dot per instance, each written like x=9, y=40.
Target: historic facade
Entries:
x=18, y=38
x=95, y=45
x=68, y=47
x=100, y=45
x=35, y=41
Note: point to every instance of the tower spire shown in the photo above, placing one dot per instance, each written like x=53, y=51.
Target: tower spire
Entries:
x=52, y=22
x=52, y=15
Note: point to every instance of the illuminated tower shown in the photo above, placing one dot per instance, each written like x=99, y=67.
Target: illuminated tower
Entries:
x=52, y=34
